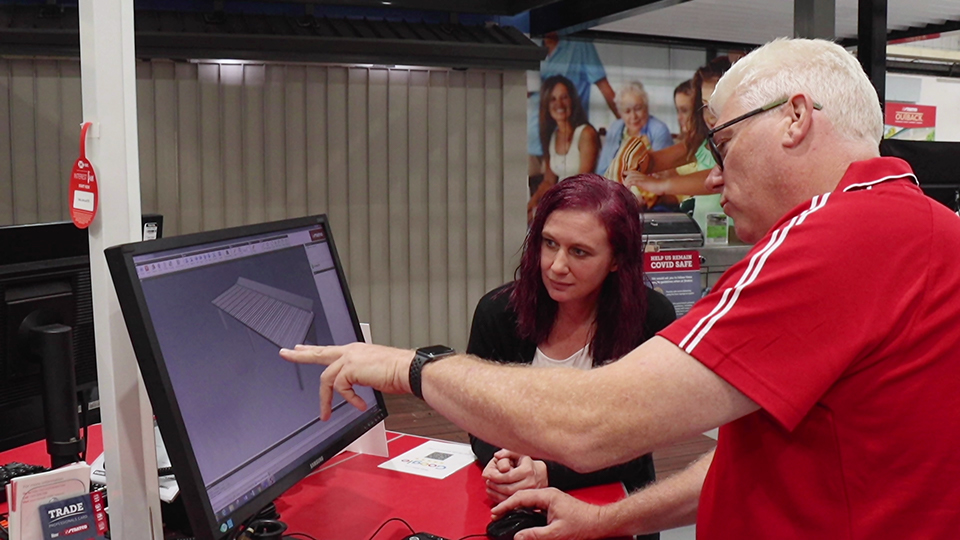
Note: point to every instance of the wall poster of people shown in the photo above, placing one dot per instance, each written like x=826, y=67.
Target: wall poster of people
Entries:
x=632, y=113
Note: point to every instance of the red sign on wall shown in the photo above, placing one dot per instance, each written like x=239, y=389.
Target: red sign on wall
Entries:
x=907, y=115
x=671, y=261
x=84, y=192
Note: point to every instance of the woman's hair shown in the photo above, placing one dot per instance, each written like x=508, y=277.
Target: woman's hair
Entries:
x=686, y=88
x=830, y=75
x=578, y=116
x=636, y=88
x=710, y=72
x=622, y=304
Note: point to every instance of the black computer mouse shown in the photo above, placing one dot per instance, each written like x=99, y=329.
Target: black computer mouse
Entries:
x=515, y=521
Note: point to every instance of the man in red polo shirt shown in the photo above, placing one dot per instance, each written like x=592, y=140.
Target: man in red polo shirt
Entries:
x=828, y=357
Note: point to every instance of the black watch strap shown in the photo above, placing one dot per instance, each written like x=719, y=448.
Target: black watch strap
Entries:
x=424, y=356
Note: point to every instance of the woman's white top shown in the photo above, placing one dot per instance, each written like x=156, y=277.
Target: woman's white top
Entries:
x=581, y=359
x=567, y=164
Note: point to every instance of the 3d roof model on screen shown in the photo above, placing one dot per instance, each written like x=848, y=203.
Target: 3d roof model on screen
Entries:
x=281, y=317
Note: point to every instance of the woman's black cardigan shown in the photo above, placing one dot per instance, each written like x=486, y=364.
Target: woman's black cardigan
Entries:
x=493, y=336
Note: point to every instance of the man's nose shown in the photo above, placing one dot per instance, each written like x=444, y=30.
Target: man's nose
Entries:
x=714, y=181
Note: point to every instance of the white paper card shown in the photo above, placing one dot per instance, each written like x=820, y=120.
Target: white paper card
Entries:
x=83, y=200
x=433, y=459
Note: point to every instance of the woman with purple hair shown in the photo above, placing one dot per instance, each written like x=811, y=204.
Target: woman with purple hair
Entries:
x=579, y=301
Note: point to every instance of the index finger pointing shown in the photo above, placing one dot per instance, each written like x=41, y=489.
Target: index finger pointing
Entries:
x=312, y=354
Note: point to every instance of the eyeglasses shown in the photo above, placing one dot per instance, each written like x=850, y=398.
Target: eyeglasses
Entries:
x=713, y=145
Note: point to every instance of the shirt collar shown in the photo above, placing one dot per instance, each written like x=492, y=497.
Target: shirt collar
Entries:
x=870, y=172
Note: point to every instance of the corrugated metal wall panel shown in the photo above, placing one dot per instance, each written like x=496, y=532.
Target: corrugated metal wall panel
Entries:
x=47, y=124
x=437, y=267
x=457, y=207
x=212, y=181
x=399, y=208
x=475, y=237
x=420, y=262
x=71, y=115
x=409, y=164
x=23, y=147
x=231, y=116
x=378, y=200
x=6, y=131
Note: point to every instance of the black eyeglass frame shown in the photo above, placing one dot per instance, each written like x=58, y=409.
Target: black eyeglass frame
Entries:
x=769, y=106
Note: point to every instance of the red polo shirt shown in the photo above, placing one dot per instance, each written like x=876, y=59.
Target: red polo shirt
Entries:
x=843, y=324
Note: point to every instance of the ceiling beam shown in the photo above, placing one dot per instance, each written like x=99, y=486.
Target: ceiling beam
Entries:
x=189, y=35
x=935, y=69
x=911, y=32
x=667, y=41
x=480, y=7
x=571, y=16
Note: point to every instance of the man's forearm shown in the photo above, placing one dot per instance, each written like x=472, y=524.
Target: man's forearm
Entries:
x=586, y=420
x=527, y=410
x=667, y=504
x=484, y=398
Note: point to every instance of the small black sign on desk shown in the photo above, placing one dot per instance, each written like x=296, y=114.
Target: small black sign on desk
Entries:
x=671, y=230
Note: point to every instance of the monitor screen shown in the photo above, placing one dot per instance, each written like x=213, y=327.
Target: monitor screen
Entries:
x=207, y=314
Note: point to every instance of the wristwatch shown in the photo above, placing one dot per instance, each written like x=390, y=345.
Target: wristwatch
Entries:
x=424, y=356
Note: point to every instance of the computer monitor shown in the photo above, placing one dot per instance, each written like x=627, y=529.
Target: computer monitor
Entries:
x=45, y=267
x=207, y=315
x=934, y=164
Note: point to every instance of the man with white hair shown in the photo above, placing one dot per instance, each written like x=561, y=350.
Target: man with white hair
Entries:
x=828, y=357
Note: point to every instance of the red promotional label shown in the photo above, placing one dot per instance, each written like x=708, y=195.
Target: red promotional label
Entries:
x=907, y=115
x=99, y=512
x=671, y=261
x=84, y=193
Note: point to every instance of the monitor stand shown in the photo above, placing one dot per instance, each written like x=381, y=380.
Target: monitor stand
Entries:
x=53, y=344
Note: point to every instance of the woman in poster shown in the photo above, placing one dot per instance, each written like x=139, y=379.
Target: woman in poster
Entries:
x=684, y=100
x=633, y=103
x=572, y=143
x=683, y=168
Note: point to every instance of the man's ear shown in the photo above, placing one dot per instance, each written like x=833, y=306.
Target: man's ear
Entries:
x=800, y=112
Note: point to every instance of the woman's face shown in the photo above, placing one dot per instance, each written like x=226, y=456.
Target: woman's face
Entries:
x=575, y=256
x=684, y=104
x=706, y=90
x=560, y=103
x=634, y=113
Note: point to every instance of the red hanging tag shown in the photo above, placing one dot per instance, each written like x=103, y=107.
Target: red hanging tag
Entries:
x=84, y=193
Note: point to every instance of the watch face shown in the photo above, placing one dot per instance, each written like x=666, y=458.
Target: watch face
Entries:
x=435, y=350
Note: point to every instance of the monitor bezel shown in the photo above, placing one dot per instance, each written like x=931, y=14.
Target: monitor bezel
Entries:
x=146, y=346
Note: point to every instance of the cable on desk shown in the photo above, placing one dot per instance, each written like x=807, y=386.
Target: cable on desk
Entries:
x=84, y=406
x=267, y=515
x=305, y=535
x=384, y=524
